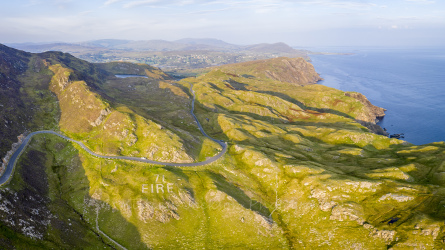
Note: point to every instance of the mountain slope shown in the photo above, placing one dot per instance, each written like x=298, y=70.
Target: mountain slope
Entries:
x=81, y=109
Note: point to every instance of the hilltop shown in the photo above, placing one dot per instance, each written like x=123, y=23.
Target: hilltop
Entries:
x=301, y=170
x=282, y=69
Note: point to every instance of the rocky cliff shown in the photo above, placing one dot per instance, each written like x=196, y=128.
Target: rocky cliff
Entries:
x=374, y=113
x=371, y=115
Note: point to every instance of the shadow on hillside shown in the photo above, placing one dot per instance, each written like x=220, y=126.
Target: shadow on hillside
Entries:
x=343, y=168
x=304, y=107
x=345, y=163
x=236, y=193
x=371, y=126
x=60, y=194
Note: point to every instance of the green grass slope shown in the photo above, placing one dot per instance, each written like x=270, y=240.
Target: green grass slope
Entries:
x=330, y=182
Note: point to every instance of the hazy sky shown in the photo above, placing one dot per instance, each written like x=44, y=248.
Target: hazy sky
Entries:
x=297, y=23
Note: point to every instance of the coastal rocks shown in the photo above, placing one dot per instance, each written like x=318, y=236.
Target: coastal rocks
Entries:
x=397, y=136
x=374, y=128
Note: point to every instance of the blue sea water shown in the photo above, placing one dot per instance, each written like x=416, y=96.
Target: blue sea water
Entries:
x=409, y=83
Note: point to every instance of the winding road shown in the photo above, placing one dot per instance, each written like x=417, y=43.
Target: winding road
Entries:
x=12, y=161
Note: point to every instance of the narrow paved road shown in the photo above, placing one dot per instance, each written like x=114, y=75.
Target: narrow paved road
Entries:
x=104, y=234
x=12, y=161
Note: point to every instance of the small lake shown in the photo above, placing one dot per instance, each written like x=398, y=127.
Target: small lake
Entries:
x=126, y=76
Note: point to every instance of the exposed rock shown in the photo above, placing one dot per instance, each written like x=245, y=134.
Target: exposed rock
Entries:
x=103, y=114
x=371, y=115
x=145, y=211
x=387, y=235
x=323, y=198
x=215, y=196
x=163, y=212
x=377, y=112
x=396, y=197
x=349, y=211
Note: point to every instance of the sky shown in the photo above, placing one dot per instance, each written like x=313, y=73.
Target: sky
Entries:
x=297, y=23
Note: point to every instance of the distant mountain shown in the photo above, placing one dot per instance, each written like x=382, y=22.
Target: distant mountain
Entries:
x=62, y=47
x=106, y=43
x=186, y=44
x=208, y=41
x=270, y=48
x=158, y=45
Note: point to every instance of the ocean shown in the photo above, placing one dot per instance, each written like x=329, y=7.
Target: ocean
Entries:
x=409, y=83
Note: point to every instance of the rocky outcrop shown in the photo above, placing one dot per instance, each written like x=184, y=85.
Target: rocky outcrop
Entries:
x=371, y=115
x=387, y=235
x=165, y=211
x=375, y=113
x=160, y=212
x=103, y=114
x=348, y=212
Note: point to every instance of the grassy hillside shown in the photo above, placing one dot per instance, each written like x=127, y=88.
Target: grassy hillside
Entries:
x=329, y=180
x=108, y=130
x=301, y=172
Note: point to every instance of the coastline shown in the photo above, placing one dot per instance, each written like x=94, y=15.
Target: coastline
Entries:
x=406, y=82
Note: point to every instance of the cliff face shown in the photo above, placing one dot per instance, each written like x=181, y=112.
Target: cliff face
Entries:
x=370, y=115
x=374, y=113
